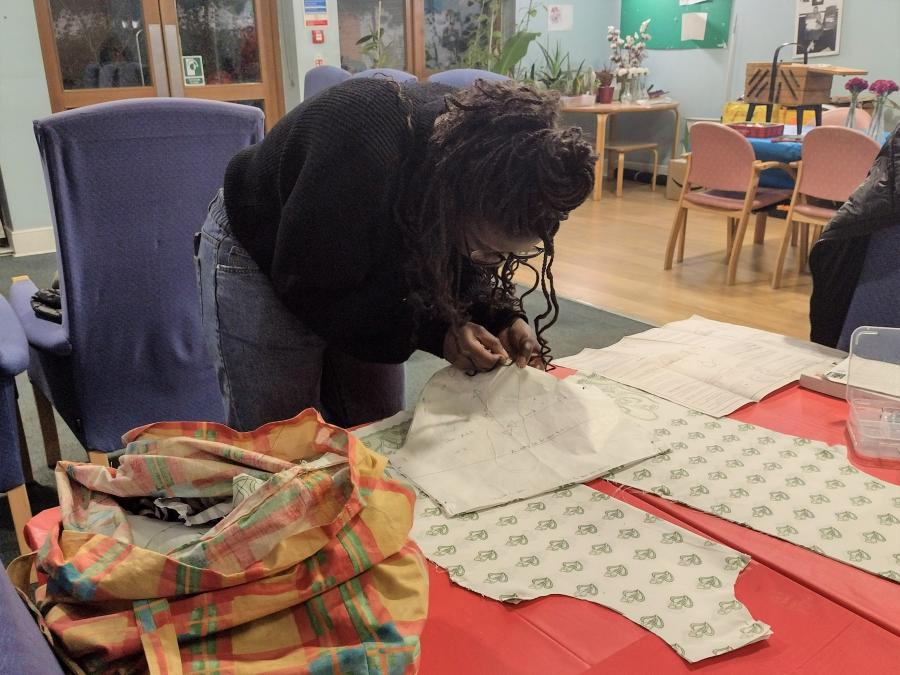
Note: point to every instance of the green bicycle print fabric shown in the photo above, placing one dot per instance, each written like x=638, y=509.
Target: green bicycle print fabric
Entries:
x=583, y=543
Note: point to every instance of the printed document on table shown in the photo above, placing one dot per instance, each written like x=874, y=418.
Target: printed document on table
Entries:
x=706, y=365
x=490, y=439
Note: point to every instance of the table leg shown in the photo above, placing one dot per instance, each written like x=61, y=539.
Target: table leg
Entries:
x=601, y=152
x=677, y=135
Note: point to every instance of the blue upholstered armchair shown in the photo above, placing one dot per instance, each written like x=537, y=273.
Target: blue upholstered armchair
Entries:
x=13, y=360
x=129, y=184
x=874, y=301
x=465, y=77
x=320, y=78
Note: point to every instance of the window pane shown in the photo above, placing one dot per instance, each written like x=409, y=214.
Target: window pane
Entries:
x=467, y=33
x=100, y=43
x=385, y=25
x=223, y=32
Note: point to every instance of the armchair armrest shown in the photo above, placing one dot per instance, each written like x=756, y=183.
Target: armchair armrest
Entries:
x=42, y=335
x=13, y=344
x=759, y=165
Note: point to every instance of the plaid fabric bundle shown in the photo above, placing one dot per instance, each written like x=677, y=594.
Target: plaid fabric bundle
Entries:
x=313, y=571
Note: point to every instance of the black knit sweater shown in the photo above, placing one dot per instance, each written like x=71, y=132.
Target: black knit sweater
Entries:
x=314, y=204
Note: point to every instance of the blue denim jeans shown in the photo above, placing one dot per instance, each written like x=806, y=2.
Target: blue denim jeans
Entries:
x=270, y=365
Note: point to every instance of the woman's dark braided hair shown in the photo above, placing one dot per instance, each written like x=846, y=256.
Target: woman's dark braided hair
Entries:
x=496, y=157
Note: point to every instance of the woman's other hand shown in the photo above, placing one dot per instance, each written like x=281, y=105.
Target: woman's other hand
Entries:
x=521, y=344
x=474, y=347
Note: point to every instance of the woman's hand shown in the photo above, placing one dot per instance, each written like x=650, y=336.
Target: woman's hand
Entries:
x=521, y=344
x=474, y=347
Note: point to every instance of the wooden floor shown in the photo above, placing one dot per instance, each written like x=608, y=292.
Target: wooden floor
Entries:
x=610, y=254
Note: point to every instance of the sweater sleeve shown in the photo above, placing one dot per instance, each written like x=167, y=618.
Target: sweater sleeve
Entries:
x=335, y=253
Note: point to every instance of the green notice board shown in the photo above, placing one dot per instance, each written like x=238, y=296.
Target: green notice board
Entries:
x=666, y=22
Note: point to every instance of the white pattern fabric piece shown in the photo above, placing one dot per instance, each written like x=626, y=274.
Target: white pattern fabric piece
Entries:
x=584, y=544
x=796, y=489
x=483, y=440
x=706, y=365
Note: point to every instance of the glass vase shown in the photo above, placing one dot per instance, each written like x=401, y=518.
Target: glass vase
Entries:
x=639, y=89
x=625, y=90
x=876, y=127
x=851, y=112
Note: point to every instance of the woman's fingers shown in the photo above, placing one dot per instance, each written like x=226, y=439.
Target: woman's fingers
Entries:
x=490, y=342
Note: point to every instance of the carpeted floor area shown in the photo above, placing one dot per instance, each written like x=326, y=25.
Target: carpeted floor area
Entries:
x=579, y=326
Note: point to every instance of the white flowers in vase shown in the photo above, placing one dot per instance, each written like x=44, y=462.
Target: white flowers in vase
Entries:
x=628, y=53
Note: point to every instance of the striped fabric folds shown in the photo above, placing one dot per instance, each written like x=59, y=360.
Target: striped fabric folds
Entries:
x=313, y=571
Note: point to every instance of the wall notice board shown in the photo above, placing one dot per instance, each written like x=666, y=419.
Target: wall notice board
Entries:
x=679, y=24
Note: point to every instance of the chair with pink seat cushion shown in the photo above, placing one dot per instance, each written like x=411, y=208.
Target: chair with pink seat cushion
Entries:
x=723, y=166
x=835, y=162
x=838, y=118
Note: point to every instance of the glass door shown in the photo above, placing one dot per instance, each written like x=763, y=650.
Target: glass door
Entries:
x=224, y=50
x=98, y=50
x=103, y=50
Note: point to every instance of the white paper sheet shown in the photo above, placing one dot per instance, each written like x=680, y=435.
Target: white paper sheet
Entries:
x=706, y=365
x=560, y=17
x=691, y=2
x=486, y=440
x=693, y=26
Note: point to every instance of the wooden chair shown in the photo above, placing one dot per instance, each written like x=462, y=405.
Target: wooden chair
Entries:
x=835, y=162
x=723, y=165
x=623, y=148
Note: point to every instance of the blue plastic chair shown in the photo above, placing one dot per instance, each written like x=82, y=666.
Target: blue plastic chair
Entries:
x=320, y=78
x=129, y=184
x=465, y=77
x=389, y=74
x=13, y=360
x=874, y=301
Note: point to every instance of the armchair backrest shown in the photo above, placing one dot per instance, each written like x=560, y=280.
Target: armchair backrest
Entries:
x=320, y=78
x=721, y=159
x=13, y=360
x=129, y=183
x=388, y=73
x=836, y=161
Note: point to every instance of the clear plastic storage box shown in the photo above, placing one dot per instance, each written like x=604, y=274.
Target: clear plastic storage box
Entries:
x=873, y=392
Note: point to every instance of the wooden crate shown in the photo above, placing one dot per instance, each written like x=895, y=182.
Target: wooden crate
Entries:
x=796, y=83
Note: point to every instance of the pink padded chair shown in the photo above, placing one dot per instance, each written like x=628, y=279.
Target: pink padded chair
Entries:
x=838, y=118
x=722, y=163
x=835, y=162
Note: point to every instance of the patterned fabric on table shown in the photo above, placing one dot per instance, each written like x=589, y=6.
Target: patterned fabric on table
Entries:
x=312, y=571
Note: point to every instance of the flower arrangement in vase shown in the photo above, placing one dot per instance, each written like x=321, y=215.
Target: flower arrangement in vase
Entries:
x=855, y=85
x=627, y=54
x=882, y=89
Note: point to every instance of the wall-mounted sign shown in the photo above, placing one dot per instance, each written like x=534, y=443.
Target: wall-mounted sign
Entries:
x=318, y=37
x=315, y=12
x=193, y=71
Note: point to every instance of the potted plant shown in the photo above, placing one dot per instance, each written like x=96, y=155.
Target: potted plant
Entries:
x=575, y=87
x=605, y=87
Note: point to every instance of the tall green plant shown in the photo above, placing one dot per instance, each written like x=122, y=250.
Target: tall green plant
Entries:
x=373, y=45
x=487, y=50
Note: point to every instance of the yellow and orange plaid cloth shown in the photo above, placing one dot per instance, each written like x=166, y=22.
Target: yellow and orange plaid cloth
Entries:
x=314, y=571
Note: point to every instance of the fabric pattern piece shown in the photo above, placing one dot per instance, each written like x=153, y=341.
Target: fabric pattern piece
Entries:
x=585, y=544
x=489, y=439
x=313, y=570
x=796, y=489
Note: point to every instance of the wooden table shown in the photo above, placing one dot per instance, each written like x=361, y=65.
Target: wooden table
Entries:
x=604, y=111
